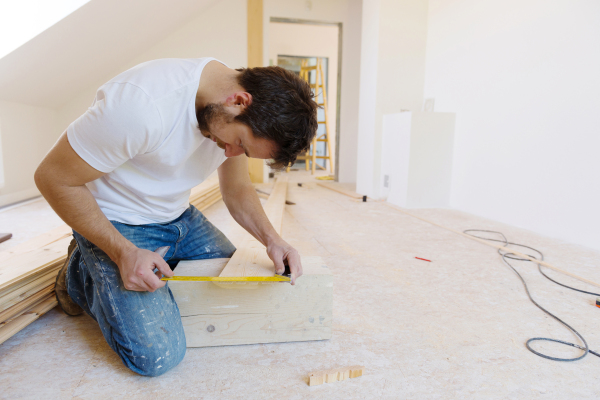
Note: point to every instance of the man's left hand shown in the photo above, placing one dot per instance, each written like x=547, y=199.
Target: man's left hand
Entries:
x=279, y=252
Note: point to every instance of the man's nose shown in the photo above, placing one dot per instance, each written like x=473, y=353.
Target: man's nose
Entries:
x=232, y=151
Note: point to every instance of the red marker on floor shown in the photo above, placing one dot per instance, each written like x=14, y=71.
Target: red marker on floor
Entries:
x=419, y=258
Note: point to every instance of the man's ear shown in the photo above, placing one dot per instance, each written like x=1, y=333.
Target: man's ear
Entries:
x=239, y=100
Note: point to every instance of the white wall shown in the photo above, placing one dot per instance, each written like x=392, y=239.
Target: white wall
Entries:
x=523, y=78
x=27, y=135
x=29, y=131
x=203, y=36
x=348, y=12
x=392, y=76
x=312, y=41
x=416, y=160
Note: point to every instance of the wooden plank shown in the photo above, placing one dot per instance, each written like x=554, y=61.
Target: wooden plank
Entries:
x=38, y=261
x=7, y=330
x=251, y=258
x=19, y=296
x=26, y=284
x=273, y=312
x=26, y=304
x=207, y=202
x=206, y=196
x=44, y=239
x=334, y=375
x=337, y=188
x=276, y=203
x=210, y=183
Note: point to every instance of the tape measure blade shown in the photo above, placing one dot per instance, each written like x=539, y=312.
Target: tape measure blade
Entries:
x=228, y=279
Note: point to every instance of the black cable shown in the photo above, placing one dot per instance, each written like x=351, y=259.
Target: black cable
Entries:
x=512, y=256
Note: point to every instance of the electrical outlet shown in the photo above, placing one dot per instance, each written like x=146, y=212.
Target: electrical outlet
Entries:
x=386, y=181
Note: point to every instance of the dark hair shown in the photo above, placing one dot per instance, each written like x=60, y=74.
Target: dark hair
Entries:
x=282, y=110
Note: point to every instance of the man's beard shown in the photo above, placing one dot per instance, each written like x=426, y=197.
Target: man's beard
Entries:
x=211, y=114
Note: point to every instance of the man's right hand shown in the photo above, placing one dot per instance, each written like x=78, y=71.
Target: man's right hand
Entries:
x=137, y=270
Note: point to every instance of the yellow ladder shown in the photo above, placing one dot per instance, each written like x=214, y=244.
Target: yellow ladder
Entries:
x=321, y=99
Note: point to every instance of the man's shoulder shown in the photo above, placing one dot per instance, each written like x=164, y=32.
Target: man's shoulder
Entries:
x=158, y=78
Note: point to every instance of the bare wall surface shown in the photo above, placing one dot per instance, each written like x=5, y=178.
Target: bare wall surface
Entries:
x=202, y=36
x=53, y=67
x=51, y=80
x=392, y=76
x=522, y=77
x=27, y=135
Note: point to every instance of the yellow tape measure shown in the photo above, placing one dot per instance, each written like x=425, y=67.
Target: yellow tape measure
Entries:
x=228, y=278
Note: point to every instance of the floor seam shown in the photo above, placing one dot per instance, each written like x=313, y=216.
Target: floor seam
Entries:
x=86, y=370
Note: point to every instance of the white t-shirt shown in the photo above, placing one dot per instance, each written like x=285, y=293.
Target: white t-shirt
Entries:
x=142, y=132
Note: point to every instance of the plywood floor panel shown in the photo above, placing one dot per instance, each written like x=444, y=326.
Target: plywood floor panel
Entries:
x=453, y=328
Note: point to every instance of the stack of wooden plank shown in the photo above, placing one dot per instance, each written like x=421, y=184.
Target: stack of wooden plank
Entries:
x=27, y=275
x=28, y=271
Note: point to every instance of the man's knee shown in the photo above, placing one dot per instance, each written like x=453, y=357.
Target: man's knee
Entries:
x=155, y=359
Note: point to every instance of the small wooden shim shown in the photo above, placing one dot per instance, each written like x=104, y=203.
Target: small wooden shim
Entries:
x=334, y=375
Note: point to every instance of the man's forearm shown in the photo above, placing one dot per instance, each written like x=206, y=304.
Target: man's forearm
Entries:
x=245, y=207
x=78, y=208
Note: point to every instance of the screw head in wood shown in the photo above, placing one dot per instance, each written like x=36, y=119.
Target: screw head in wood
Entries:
x=210, y=328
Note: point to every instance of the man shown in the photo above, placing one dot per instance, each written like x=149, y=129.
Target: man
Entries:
x=121, y=176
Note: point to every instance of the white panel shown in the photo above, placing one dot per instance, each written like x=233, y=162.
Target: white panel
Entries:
x=368, y=97
x=431, y=148
x=395, y=157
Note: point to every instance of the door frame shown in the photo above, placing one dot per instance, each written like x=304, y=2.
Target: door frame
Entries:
x=339, y=78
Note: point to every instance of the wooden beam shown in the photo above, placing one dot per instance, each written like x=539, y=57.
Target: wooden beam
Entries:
x=255, y=59
x=273, y=312
x=251, y=258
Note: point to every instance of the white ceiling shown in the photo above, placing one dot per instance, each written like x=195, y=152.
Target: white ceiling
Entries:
x=82, y=48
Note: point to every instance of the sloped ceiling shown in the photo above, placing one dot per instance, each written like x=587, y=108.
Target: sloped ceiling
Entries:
x=97, y=38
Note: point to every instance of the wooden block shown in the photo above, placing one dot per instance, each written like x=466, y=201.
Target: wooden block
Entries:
x=356, y=371
x=272, y=312
x=334, y=375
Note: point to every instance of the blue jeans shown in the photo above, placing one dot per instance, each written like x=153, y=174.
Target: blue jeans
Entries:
x=143, y=328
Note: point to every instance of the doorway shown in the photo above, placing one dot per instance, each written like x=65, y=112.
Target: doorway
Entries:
x=291, y=41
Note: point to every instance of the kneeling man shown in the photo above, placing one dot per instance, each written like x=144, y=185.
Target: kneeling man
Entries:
x=121, y=177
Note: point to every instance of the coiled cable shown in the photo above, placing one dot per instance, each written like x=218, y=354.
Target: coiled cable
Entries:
x=505, y=257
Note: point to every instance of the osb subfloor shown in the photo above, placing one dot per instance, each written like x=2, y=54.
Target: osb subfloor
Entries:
x=451, y=328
